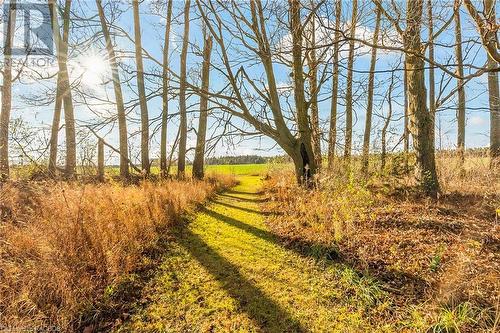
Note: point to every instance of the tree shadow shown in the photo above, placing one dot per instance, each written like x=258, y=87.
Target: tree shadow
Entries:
x=402, y=285
x=263, y=310
x=248, y=210
x=256, y=200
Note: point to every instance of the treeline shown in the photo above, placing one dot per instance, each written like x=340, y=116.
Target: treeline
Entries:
x=241, y=159
x=303, y=56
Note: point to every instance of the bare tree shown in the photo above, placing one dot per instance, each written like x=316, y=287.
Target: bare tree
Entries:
x=7, y=92
x=371, y=83
x=122, y=121
x=199, y=155
x=487, y=26
x=165, y=96
x=332, y=140
x=142, y=90
x=432, y=83
x=63, y=93
x=348, y=96
x=181, y=162
x=313, y=89
x=460, y=86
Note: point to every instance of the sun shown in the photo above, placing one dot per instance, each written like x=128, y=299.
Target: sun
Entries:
x=94, y=68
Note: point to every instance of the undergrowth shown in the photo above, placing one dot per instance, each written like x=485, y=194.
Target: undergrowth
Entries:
x=65, y=246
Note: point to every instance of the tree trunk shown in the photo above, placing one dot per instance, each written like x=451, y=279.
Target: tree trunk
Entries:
x=332, y=139
x=54, y=134
x=164, y=115
x=64, y=87
x=406, y=129
x=494, y=100
x=122, y=121
x=303, y=157
x=181, y=162
x=348, y=97
x=313, y=90
x=199, y=155
x=142, y=90
x=420, y=120
x=369, y=109
x=461, y=90
x=100, y=160
x=386, y=125
x=7, y=92
x=432, y=84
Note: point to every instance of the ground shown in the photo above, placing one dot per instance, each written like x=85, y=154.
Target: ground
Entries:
x=225, y=272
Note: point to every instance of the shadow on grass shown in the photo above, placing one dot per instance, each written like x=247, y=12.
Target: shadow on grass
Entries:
x=234, y=197
x=397, y=283
x=248, y=210
x=263, y=310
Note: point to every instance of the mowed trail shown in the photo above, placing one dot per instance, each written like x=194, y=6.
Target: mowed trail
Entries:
x=225, y=272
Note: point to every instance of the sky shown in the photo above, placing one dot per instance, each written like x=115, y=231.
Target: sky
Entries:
x=33, y=97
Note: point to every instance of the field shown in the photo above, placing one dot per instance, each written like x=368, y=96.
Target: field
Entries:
x=353, y=254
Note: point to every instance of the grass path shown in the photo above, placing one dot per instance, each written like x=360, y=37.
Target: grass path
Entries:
x=226, y=273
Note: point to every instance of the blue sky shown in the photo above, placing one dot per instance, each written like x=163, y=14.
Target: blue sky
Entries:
x=91, y=69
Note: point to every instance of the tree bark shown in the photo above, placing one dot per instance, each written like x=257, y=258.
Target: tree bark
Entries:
x=199, y=155
x=460, y=88
x=348, y=98
x=164, y=115
x=332, y=139
x=432, y=84
x=7, y=93
x=369, y=108
x=181, y=161
x=494, y=101
x=142, y=90
x=419, y=116
x=122, y=121
x=54, y=134
x=64, y=88
x=100, y=160
x=386, y=125
x=305, y=163
x=313, y=91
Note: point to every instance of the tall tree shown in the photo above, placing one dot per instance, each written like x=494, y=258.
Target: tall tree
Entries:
x=181, y=162
x=494, y=98
x=332, y=139
x=269, y=120
x=432, y=83
x=419, y=116
x=460, y=86
x=371, y=83
x=313, y=89
x=7, y=92
x=63, y=93
x=199, y=154
x=165, y=96
x=348, y=96
x=142, y=90
x=120, y=107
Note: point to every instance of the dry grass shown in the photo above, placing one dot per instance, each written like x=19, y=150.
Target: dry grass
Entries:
x=440, y=260
x=63, y=244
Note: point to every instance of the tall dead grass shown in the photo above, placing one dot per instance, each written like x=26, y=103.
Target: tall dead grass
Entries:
x=433, y=257
x=62, y=244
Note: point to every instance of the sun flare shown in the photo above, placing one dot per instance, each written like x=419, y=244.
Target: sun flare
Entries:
x=94, y=68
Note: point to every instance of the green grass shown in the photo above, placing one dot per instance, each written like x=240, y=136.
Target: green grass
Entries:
x=225, y=272
x=236, y=169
